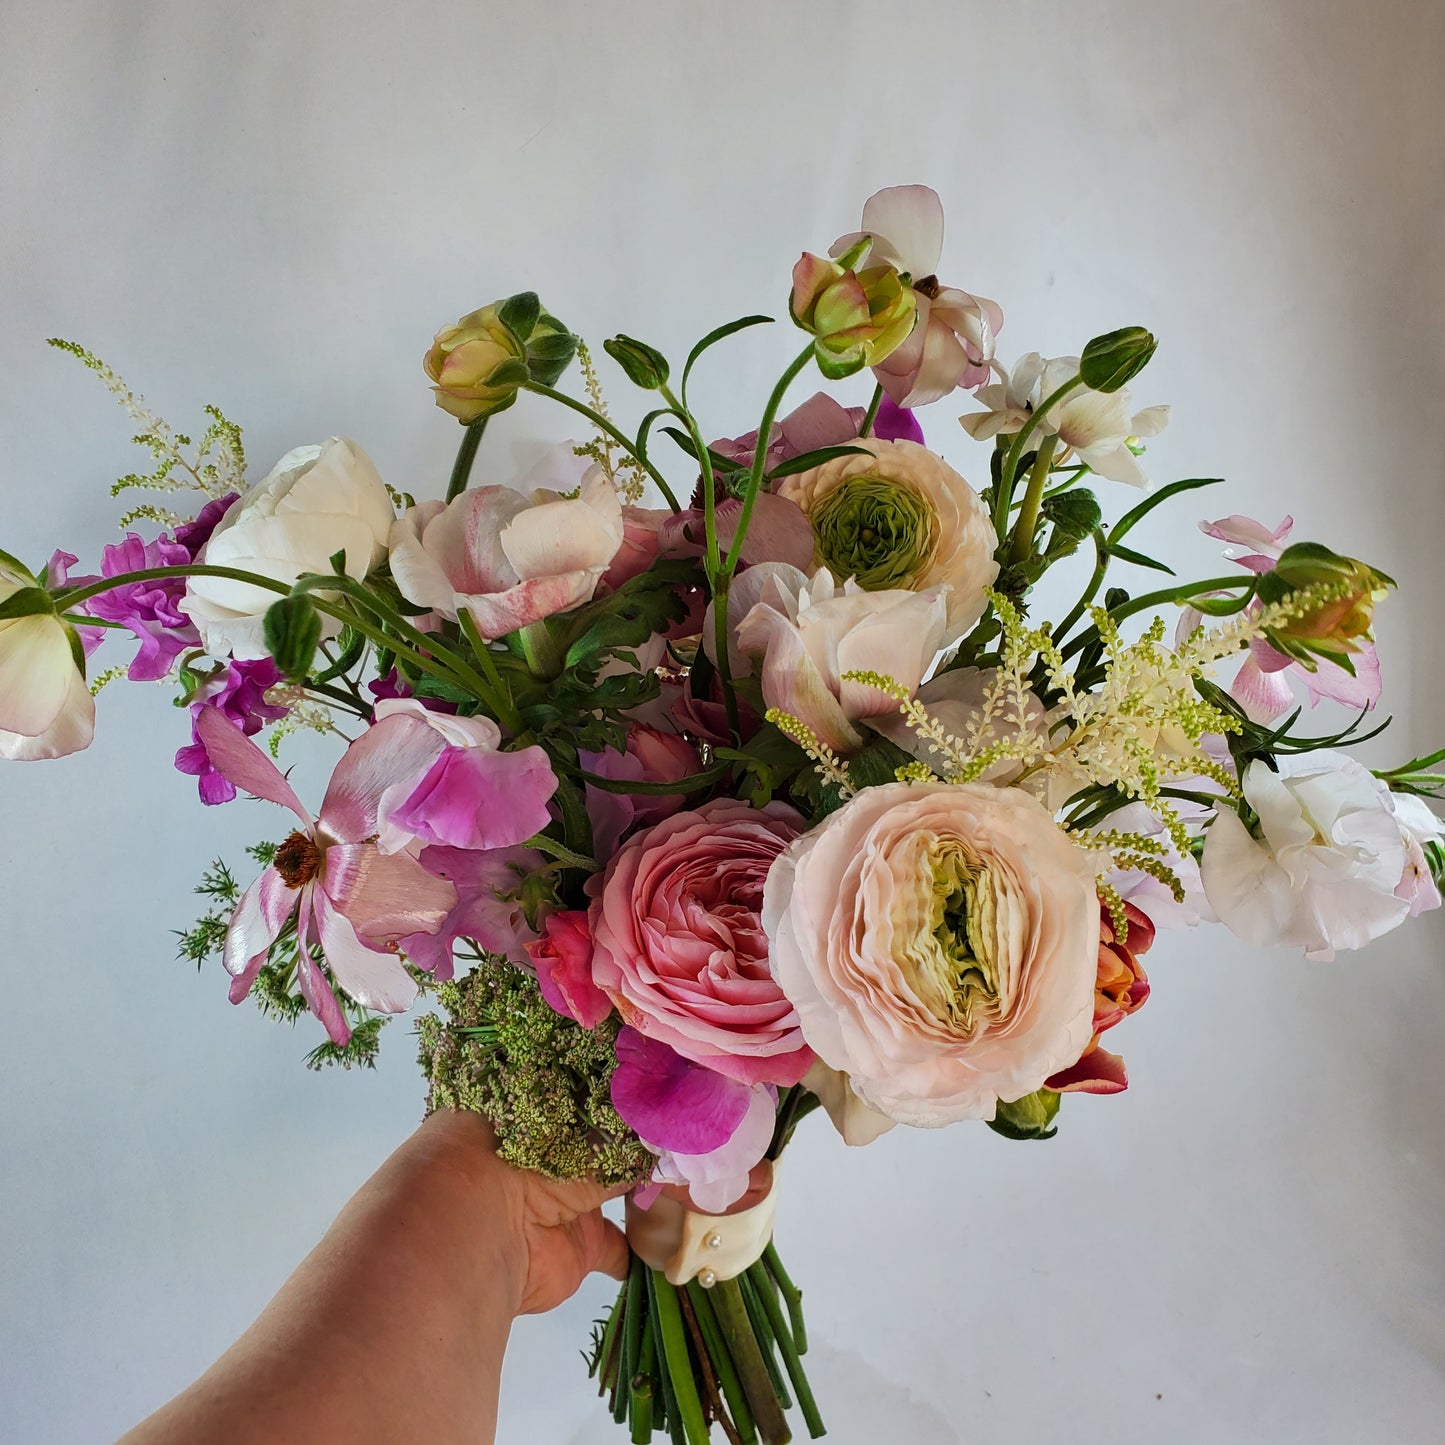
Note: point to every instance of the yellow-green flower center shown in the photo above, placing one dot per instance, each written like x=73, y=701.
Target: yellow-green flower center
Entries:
x=875, y=530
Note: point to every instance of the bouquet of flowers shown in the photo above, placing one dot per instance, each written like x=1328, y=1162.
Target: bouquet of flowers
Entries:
x=772, y=796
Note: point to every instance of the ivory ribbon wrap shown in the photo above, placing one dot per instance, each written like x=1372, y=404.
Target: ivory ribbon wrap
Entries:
x=676, y=1240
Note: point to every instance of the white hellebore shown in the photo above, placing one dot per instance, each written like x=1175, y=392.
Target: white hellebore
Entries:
x=1340, y=860
x=46, y=710
x=1097, y=426
x=317, y=501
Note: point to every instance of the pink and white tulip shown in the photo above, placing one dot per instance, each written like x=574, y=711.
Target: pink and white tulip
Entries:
x=346, y=894
x=953, y=341
x=506, y=558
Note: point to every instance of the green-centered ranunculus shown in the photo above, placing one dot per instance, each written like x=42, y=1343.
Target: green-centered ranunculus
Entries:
x=957, y=970
x=894, y=517
x=882, y=535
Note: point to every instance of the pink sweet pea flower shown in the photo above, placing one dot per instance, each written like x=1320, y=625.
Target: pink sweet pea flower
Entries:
x=1262, y=686
x=238, y=689
x=563, y=960
x=149, y=609
x=345, y=893
x=953, y=341
x=505, y=557
x=488, y=910
x=707, y=1130
x=652, y=756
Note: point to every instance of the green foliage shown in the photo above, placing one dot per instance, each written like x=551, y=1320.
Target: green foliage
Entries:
x=542, y=1081
x=359, y=1051
x=1031, y=1117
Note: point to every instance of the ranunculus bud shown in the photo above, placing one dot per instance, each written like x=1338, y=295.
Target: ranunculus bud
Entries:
x=478, y=364
x=292, y=629
x=857, y=318
x=1335, y=626
x=1115, y=359
x=645, y=365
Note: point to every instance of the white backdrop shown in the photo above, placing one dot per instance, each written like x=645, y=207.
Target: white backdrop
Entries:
x=272, y=206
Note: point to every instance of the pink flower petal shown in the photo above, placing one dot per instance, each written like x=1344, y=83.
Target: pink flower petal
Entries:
x=906, y=223
x=255, y=925
x=1264, y=696
x=385, y=896
x=1333, y=682
x=672, y=1103
x=476, y=798
x=563, y=960
x=242, y=763
x=390, y=751
x=1098, y=1072
x=312, y=982
x=375, y=980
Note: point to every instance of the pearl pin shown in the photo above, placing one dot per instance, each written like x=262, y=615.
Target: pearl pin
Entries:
x=713, y=1241
x=707, y=1278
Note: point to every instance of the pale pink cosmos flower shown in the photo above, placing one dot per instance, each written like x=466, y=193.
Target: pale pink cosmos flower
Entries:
x=1262, y=686
x=345, y=893
x=953, y=341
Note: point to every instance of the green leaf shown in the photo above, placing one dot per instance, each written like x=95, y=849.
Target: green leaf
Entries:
x=27, y=602
x=353, y=644
x=713, y=337
x=1133, y=517
x=292, y=629
x=520, y=313
x=1111, y=361
x=837, y=368
x=15, y=565
x=720, y=463
x=645, y=365
x=1031, y=1117
x=877, y=764
x=338, y=562
x=1074, y=513
x=511, y=372
x=550, y=353
x=812, y=459
x=1128, y=554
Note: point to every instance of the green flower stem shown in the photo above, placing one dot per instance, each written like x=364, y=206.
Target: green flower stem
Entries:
x=73, y=596
x=720, y=587
x=693, y=783
x=466, y=455
x=763, y=1333
x=1101, y=566
x=722, y=1361
x=631, y=1335
x=539, y=647
x=601, y=422
x=506, y=707
x=871, y=415
x=760, y=458
x=561, y=852
x=642, y=1402
x=791, y=1294
x=84, y=621
x=1178, y=596
x=762, y=1284
x=1036, y=420
x=1022, y=546
x=672, y=1347
x=736, y=1329
x=610, y=1344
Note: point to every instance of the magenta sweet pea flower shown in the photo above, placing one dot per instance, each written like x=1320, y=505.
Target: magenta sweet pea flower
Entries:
x=346, y=894
x=563, y=960
x=149, y=609
x=238, y=690
x=194, y=535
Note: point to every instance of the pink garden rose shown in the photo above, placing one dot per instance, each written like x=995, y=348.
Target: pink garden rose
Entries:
x=940, y=942
x=505, y=557
x=562, y=957
x=680, y=948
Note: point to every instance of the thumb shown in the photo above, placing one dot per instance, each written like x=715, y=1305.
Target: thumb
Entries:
x=607, y=1249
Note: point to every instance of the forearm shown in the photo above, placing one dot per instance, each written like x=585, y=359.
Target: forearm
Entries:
x=392, y=1329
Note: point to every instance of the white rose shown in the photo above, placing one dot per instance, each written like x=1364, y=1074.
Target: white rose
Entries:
x=317, y=501
x=1338, y=863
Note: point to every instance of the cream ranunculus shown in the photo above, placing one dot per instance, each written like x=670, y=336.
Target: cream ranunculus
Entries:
x=1338, y=863
x=46, y=710
x=508, y=558
x=806, y=632
x=900, y=518
x=940, y=944
x=317, y=501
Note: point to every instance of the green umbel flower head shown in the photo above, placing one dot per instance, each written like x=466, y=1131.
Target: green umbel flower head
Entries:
x=883, y=534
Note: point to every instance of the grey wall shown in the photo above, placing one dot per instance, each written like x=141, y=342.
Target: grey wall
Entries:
x=273, y=206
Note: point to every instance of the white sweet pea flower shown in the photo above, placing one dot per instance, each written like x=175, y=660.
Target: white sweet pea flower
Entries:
x=316, y=501
x=1096, y=426
x=1340, y=860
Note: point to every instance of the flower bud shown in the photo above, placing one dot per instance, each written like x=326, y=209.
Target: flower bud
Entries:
x=1113, y=360
x=478, y=364
x=645, y=365
x=293, y=633
x=1333, y=625
x=1031, y=1117
x=857, y=318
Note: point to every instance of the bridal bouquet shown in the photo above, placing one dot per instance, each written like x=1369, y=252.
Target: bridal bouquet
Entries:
x=775, y=795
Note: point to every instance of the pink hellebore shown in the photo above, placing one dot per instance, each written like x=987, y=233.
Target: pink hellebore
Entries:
x=953, y=341
x=507, y=558
x=346, y=894
x=707, y=1130
x=1262, y=685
